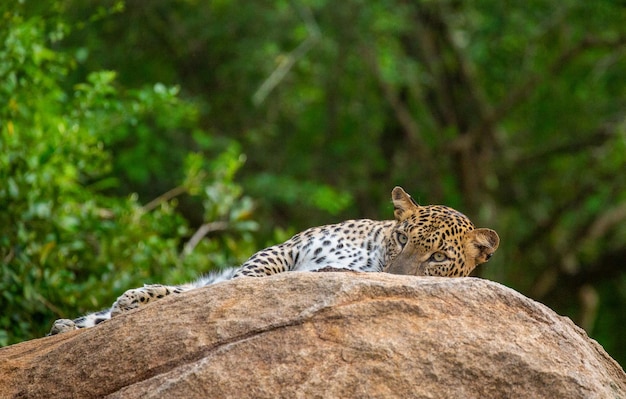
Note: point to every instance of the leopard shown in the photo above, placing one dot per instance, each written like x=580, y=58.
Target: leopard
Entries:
x=430, y=240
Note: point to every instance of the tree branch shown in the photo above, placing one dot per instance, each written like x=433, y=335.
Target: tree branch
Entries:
x=607, y=220
x=595, y=139
x=49, y=305
x=400, y=110
x=202, y=231
x=563, y=261
x=409, y=126
x=528, y=86
x=290, y=59
x=175, y=192
x=9, y=256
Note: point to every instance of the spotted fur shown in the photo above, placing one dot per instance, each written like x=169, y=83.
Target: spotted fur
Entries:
x=430, y=240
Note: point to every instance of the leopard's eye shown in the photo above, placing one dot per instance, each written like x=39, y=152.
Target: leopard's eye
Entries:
x=402, y=238
x=438, y=257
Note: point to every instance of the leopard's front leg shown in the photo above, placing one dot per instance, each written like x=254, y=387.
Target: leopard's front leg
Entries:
x=129, y=300
x=137, y=297
x=89, y=320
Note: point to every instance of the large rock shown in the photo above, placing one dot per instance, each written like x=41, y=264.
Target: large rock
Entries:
x=323, y=335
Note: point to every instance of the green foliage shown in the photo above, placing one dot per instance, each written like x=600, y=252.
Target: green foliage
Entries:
x=65, y=245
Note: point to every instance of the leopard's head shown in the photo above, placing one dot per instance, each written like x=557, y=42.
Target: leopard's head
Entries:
x=435, y=240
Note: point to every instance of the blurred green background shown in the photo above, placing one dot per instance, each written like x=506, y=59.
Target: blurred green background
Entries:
x=151, y=141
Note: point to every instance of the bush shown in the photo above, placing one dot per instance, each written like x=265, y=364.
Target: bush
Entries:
x=67, y=244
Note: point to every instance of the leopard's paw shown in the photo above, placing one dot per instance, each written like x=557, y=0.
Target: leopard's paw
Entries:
x=61, y=326
x=137, y=297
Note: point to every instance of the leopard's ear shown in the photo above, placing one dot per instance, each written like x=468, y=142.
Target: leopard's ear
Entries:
x=481, y=244
x=402, y=203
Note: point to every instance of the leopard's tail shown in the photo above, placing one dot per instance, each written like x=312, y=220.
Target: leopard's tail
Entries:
x=215, y=277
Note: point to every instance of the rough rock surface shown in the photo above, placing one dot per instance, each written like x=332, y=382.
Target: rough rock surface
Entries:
x=322, y=335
